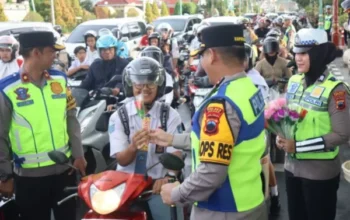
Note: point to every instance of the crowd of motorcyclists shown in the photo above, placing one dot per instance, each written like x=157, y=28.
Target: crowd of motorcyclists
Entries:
x=269, y=61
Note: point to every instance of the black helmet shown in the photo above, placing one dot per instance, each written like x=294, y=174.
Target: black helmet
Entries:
x=153, y=52
x=117, y=33
x=141, y=71
x=154, y=35
x=149, y=27
x=249, y=53
x=271, y=45
x=276, y=33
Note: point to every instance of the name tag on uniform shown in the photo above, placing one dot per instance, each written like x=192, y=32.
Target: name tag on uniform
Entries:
x=317, y=92
x=293, y=87
x=313, y=101
x=59, y=96
x=257, y=102
x=25, y=103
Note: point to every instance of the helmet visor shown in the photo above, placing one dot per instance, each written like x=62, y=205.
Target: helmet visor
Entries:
x=271, y=47
x=155, y=55
x=144, y=78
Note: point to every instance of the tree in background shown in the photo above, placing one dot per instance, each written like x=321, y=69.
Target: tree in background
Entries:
x=231, y=13
x=102, y=12
x=68, y=17
x=87, y=5
x=164, y=10
x=43, y=7
x=189, y=8
x=75, y=6
x=177, y=9
x=149, y=13
x=155, y=10
x=87, y=15
x=33, y=16
x=132, y=12
x=2, y=13
x=59, y=15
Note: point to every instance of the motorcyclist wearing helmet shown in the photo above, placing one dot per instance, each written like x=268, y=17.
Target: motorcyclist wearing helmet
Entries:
x=146, y=78
x=145, y=39
x=194, y=43
x=278, y=23
x=122, y=48
x=168, y=44
x=262, y=29
x=154, y=39
x=277, y=34
x=90, y=38
x=157, y=54
x=272, y=67
x=9, y=62
x=248, y=32
x=102, y=70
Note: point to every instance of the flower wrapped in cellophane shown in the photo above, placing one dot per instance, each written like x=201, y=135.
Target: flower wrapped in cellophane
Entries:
x=281, y=118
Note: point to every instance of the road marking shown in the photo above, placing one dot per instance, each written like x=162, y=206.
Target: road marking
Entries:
x=337, y=73
x=340, y=78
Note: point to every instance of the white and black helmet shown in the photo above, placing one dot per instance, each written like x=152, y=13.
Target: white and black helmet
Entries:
x=307, y=38
x=143, y=70
x=9, y=42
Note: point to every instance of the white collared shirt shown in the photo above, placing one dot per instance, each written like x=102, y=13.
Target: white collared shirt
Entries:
x=119, y=141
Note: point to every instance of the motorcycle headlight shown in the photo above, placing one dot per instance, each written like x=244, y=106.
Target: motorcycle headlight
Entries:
x=105, y=202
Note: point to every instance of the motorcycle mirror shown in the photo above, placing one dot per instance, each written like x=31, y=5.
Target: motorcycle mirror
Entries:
x=58, y=157
x=171, y=162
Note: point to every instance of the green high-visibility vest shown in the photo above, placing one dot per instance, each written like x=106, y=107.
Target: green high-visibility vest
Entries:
x=286, y=35
x=242, y=190
x=317, y=122
x=39, y=119
x=328, y=22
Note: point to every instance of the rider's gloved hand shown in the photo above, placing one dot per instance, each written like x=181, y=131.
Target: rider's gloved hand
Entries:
x=106, y=91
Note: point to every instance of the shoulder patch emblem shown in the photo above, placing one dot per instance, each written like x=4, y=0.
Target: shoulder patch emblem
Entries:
x=22, y=93
x=56, y=88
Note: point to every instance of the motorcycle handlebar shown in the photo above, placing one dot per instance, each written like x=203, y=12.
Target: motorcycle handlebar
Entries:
x=67, y=198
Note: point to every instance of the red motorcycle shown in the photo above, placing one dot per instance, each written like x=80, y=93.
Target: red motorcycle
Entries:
x=115, y=195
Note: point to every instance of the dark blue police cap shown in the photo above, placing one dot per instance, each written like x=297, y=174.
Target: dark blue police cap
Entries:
x=38, y=39
x=226, y=35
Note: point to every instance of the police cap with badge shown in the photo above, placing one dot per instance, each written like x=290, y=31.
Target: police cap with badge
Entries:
x=308, y=38
x=35, y=39
x=226, y=35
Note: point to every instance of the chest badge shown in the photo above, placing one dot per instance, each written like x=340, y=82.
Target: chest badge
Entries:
x=293, y=88
x=317, y=92
x=22, y=93
x=56, y=88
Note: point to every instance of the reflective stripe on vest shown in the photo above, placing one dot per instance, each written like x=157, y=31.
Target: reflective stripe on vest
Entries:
x=317, y=121
x=243, y=177
x=39, y=120
x=328, y=22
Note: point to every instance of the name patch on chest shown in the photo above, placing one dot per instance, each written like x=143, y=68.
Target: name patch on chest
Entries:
x=313, y=101
x=293, y=87
x=257, y=102
x=25, y=103
x=60, y=96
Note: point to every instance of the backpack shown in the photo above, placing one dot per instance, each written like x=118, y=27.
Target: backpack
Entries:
x=164, y=115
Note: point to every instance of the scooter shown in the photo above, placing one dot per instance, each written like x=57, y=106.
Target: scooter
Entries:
x=116, y=195
x=93, y=118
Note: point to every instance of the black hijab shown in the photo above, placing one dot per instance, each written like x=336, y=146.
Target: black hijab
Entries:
x=320, y=56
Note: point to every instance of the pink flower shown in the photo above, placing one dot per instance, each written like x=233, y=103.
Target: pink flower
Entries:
x=281, y=102
x=268, y=113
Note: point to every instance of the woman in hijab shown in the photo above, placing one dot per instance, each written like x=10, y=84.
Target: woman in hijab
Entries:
x=312, y=163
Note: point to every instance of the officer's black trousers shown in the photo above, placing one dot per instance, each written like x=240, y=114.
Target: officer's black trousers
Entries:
x=311, y=199
x=36, y=196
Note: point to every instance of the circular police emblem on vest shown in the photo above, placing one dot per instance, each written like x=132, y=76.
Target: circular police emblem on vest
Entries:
x=56, y=88
x=22, y=93
x=211, y=127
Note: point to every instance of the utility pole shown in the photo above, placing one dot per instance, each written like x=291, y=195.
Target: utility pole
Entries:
x=33, y=5
x=53, y=12
x=180, y=7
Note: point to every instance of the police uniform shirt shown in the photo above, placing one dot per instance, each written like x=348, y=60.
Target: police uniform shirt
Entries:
x=119, y=141
x=340, y=119
x=199, y=185
x=259, y=82
x=73, y=129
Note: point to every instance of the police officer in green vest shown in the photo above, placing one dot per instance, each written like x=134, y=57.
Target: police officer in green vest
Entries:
x=290, y=32
x=328, y=18
x=38, y=115
x=228, y=138
x=312, y=165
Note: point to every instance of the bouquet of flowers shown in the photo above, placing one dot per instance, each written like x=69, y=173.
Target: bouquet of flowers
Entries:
x=281, y=118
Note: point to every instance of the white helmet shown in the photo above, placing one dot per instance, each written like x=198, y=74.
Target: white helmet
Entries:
x=308, y=38
x=9, y=42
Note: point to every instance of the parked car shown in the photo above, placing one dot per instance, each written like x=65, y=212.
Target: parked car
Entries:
x=132, y=30
x=16, y=28
x=181, y=24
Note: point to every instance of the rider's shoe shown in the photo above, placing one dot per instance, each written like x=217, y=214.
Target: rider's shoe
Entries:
x=275, y=205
